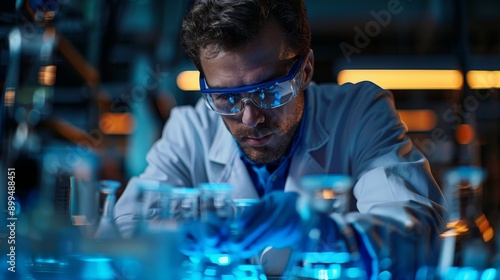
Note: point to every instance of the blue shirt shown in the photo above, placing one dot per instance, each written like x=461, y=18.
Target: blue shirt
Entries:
x=272, y=176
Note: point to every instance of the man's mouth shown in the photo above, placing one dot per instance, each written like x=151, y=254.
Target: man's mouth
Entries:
x=258, y=141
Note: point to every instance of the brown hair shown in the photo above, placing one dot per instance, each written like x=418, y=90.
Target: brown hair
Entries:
x=229, y=24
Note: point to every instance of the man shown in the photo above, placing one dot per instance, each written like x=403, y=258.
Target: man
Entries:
x=263, y=124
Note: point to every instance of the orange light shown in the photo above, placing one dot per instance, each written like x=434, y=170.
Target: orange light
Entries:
x=485, y=228
x=188, y=80
x=404, y=78
x=488, y=234
x=80, y=220
x=464, y=134
x=327, y=194
x=418, y=120
x=116, y=123
x=47, y=75
x=10, y=96
x=478, y=79
x=455, y=228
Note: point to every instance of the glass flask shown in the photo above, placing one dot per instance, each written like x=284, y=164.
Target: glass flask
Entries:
x=106, y=228
x=163, y=210
x=84, y=206
x=152, y=203
x=216, y=215
x=467, y=241
x=248, y=269
x=90, y=260
x=326, y=194
x=184, y=205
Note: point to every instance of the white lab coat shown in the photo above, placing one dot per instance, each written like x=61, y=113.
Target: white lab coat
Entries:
x=351, y=129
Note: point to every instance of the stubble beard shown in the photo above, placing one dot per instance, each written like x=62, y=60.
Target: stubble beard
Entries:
x=269, y=154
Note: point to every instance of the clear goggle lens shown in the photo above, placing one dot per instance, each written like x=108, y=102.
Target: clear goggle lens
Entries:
x=268, y=95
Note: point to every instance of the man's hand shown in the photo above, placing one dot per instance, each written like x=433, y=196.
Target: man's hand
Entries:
x=210, y=235
x=273, y=221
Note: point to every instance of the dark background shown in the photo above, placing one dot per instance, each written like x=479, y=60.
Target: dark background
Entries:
x=124, y=56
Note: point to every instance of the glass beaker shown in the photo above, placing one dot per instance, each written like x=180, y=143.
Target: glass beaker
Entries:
x=467, y=240
x=84, y=205
x=248, y=269
x=152, y=201
x=163, y=210
x=326, y=195
x=216, y=215
x=166, y=207
x=184, y=205
x=106, y=228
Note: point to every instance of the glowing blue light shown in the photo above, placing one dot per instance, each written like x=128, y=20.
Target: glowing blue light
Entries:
x=489, y=274
x=210, y=272
x=95, y=267
x=354, y=273
x=327, y=257
x=384, y=275
x=194, y=260
x=249, y=272
x=223, y=260
x=220, y=259
x=467, y=273
x=46, y=260
x=334, y=271
x=94, y=259
x=323, y=274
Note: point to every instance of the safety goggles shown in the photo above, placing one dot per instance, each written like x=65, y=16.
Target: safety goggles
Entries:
x=267, y=95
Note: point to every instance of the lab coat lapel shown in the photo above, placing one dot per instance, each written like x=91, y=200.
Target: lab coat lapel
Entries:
x=310, y=157
x=225, y=164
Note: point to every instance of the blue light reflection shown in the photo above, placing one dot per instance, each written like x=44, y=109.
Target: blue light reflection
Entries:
x=468, y=273
x=220, y=259
x=489, y=274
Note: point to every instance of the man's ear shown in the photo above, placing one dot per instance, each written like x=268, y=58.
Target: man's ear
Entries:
x=308, y=68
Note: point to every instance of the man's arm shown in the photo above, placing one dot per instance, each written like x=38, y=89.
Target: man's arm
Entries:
x=176, y=159
x=401, y=206
x=398, y=200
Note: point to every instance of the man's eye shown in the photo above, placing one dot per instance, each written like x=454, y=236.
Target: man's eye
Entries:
x=232, y=98
x=269, y=92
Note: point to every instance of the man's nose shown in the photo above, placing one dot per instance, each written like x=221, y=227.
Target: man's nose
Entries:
x=252, y=115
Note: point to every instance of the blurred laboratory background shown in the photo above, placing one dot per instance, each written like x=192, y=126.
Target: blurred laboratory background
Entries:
x=88, y=84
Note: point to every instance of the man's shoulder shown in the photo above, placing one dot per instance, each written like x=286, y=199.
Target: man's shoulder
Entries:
x=198, y=113
x=193, y=121
x=364, y=87
x=345, y=95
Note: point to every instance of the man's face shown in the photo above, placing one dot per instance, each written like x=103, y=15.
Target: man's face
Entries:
x=263, y=134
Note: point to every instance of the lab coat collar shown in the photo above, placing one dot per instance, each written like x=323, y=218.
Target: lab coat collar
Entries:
x=315, y=135
x=223, y=146
x=309, y=158
x=226, y=165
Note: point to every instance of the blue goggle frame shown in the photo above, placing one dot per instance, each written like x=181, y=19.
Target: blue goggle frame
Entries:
x=267, y=95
